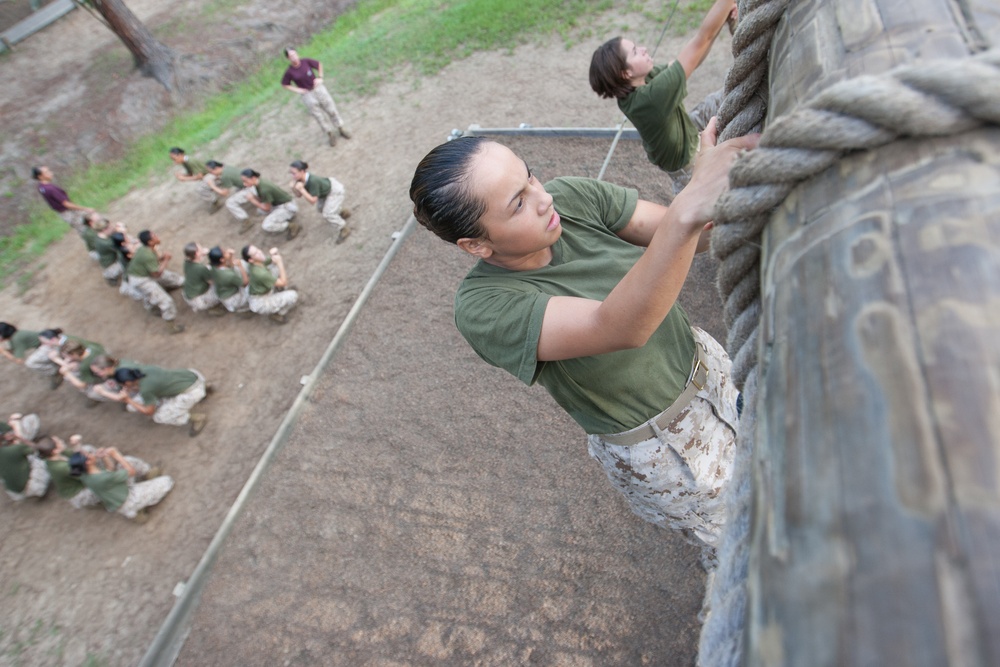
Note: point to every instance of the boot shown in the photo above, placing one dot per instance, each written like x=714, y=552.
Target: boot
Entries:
x=345, y=213
x=343, y=132
x=174, y=327
x=293, y=229
x=333, y=138
x=197, y=423
x=345, y=231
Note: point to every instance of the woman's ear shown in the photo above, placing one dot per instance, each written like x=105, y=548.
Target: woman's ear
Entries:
x=476, y=247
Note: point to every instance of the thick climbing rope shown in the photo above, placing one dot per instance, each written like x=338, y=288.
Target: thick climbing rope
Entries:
x=621, y=125
x=931, y=99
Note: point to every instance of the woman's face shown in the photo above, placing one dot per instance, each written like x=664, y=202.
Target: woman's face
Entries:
x=520, y=221
x=637, y=59
x=297, y=174
x=256, y=254
x=249, y=181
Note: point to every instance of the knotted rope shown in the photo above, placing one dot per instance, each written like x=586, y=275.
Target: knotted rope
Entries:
x=926, y=100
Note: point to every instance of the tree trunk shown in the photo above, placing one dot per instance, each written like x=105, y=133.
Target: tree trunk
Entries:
x=152, y=57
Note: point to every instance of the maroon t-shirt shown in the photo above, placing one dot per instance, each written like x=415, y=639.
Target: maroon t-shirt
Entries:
x=54, y=196
x=302, y=75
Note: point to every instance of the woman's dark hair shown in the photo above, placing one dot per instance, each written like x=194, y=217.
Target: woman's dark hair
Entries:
x=245, y=253
x=215, y=256
x=250, y=173
x=145, y=236
x=77, y=464
x=118, y=241
x=36, y=172
x=300, y=165
x=442, y=199
x=213, y=164
x=50, y=333
x=289, y=48
x=7, y=330
x=176, y=151
x=123, y=375
x=191, y=251
x=607, y=70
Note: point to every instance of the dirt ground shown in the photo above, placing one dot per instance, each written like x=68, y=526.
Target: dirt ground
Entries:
x=84, y=586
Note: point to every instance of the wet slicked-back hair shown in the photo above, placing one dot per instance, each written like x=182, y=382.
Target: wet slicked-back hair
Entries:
x=607, y=70
x=442, y=199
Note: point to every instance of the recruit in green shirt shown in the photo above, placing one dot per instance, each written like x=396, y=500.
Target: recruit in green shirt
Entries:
x=14, y=466
x=500, y=313
x=23, y=342
x=261, y=280
x=66, y=485
x=161, y=383
x=230, y=178
x=197, y=278
x=318, y=186
x=144, y=262
x=269, y=193
x=657, y=111
x=110, y=487
x=194, y=167
x=227, y=282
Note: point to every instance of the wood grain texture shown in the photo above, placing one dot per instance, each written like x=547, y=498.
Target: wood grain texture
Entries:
x=877, y=480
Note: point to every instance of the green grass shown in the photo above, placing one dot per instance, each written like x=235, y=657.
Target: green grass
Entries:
x=365, y=46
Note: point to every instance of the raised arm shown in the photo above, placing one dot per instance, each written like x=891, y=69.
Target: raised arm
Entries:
x=577, y=327
x=695, y=51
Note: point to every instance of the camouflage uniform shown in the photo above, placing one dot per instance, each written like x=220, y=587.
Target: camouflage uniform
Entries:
x=676, y=480
x=176, y=410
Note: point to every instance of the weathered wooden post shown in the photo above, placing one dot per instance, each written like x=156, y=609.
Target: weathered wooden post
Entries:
x=876, y=521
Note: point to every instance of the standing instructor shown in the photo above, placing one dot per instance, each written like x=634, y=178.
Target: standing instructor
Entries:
x=304, y=77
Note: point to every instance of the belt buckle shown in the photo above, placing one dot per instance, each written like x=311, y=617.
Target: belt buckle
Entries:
x=694, y=373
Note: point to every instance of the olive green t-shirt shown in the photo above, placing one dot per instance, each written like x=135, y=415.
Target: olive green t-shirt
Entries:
x=66, y=485
x=161, y=383
x=14, y=466
x=227, y=282
x=107, y=254
x=144, y=262
x=22, y=342
x=194, y=167
x=197, y=278
x=261, y=280
x=318, y=186
x=230, y=177
x=500, y=313
x=110, y=487
x=89, y=237
x=269, y=193
x=657, y=111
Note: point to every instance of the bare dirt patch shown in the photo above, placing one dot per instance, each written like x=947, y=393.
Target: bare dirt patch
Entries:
x=82, y=585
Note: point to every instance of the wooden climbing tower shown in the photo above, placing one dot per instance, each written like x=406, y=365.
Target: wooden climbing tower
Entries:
x=875, y=521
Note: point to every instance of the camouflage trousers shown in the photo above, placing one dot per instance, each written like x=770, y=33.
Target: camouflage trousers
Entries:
x=322, y=108
x=87, y=498
x=38, y=481
x=203, y=301
x=153, y=293
x=39, y=361
x=74, y=219
x=176, y=410
x=676, y=479
x=237, y=303
x=277, y=220
x=330, y=207
x=112, y=271
x=145, y=494
x=205, y=192
x=274, y=302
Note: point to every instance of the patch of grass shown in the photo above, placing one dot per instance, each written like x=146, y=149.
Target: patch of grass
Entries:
x=366, y=46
